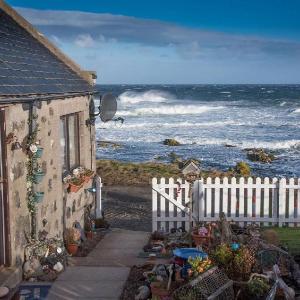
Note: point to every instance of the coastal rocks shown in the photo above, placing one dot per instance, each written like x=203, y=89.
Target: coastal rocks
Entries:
x=259, y=155
x=107, y=144
x=171, y=142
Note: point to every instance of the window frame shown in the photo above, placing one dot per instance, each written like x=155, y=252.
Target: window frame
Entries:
x=66, y=134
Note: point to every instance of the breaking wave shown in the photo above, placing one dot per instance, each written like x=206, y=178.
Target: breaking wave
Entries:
x=133, y=97
x=170, y=110
x=297, y=111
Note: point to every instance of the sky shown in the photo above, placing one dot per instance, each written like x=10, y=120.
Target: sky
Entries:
x=173, y=42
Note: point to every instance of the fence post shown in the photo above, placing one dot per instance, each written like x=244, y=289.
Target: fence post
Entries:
x=98, y=197
x=281, y=200
x=200, y=199
x=154, y=205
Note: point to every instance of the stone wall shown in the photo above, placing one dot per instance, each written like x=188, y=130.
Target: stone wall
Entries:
x=59, y=208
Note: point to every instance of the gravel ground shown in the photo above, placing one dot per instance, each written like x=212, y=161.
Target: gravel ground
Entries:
x=128, y=207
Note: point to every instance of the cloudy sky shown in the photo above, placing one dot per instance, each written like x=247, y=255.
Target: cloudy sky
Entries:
x=190, y=41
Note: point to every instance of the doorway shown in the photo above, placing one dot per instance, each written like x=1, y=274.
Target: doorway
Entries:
x=3, y=194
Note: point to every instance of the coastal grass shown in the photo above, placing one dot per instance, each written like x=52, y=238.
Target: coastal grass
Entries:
x=115, y=172
x=288, y=236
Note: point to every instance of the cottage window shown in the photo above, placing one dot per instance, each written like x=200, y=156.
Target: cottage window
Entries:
x=69, y=127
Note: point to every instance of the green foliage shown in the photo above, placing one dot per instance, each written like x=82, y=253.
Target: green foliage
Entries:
x=242, y=169
x=257, y=287
x=223, y=255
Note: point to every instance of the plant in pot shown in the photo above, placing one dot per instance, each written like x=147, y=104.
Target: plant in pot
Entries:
x=38, y=175
x=72, y=238
x=75, y=184
x=87, y=175
x=257, y=288
x=88, y=229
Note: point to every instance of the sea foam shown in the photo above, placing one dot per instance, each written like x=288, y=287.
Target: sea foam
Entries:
x=170, y=110
x=133, y=97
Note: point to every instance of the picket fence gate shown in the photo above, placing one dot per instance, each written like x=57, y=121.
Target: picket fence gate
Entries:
x=266, y=202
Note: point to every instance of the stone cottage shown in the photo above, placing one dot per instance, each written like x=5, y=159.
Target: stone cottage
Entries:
x=45, y=132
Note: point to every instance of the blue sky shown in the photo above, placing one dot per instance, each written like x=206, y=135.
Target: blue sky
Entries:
x=130, y=41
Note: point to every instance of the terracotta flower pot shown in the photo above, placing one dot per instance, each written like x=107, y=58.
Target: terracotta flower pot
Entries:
x=74, y=188
x=72, y=248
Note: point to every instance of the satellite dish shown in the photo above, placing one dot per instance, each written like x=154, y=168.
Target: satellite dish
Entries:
x=108, y=107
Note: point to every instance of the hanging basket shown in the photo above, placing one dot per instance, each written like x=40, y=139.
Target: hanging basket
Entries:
x=38, y=177
x=38, y=197
x=39, y=152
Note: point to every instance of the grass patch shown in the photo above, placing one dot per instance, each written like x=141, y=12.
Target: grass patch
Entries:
x=290, y=237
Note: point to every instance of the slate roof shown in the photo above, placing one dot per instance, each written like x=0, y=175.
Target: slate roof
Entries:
x=27, y=67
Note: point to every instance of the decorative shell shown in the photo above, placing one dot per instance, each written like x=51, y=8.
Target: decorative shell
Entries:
x=33, y=148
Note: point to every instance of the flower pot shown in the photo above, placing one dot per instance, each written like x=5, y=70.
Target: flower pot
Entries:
x=38, y=197
x=38, y=177
x=72, y=248
x=74, y=188
x=200, y=240
x=89, y=235
x=158, y=291
x=39, y=152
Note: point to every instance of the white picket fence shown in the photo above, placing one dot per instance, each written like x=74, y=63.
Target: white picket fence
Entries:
x=243, y=200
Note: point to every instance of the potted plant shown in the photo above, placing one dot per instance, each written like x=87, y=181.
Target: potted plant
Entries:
x=87, y=175
x=88, y=230
x=38, y=197
x=72, y=238
x=38, y=174
x=39, y=152
x=75, y=185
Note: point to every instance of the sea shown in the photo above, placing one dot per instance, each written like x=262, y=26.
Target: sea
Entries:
x=214, y=124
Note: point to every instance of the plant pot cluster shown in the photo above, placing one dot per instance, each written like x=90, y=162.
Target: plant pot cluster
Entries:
x=79, y=177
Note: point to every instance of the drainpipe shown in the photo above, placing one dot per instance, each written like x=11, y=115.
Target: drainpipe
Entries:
x=32, y=126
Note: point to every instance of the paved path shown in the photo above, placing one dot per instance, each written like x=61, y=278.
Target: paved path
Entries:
x=103, y=273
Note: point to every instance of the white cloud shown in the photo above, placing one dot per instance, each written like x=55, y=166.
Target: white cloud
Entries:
x=84, y=41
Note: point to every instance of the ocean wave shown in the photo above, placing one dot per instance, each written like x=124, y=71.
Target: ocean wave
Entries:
x=144, y=125
x=133, y=97
x=170, y=110
x=297, y=111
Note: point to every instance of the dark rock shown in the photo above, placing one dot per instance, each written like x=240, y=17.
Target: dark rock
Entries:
x=260, y=155
x=229, y=146
x=171, y=142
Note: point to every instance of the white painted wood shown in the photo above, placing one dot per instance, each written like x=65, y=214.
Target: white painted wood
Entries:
x=258, y=198
x=266, y=202
x=275, y=202
x=208, y=199
x=225, y=196
x=278, y=200
x=249, y=199
x=154, y=204
x=282, y=201
x=291, y=203
x=186, y=201
x=242, y=199
x=233, y=199
x=217, y=197
x=171, y=205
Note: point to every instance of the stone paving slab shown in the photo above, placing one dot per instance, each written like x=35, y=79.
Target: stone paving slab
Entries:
x=103, y=273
